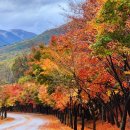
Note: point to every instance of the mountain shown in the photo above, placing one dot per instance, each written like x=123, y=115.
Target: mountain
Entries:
x=11, y=51
x=14, y=35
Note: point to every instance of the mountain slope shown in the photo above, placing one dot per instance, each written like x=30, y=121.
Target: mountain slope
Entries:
x=14, y=35
x=10, y=51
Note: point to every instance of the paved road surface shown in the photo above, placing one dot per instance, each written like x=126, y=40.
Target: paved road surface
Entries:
x=24, y=122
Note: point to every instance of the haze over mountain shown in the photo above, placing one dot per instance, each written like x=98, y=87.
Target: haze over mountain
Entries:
x=14, y=35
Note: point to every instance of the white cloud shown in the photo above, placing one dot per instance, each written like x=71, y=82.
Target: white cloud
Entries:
x=31, y=15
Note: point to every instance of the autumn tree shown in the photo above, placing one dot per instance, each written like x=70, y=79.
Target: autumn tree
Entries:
x=112, y=45
x=8, y=96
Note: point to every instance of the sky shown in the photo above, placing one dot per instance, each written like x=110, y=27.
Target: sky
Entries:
x=32, y=15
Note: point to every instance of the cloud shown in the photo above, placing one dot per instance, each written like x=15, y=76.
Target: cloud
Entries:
x=32, y=15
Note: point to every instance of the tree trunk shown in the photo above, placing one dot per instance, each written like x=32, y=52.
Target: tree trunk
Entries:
x=75, y=117
x=103, y=114
x=5, y=113
x=83, y=115
x=123, y=123
x=94, y=122
x=71, y=119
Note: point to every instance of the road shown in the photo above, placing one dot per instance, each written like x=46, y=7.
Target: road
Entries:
x=24, y=122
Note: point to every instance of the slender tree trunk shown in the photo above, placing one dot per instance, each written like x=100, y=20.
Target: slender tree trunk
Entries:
x=75, y=117
x=94, y=122
x=123, y=123
x=65, y=116
x=83, y=115
x=71, y=118
x=70, y=113
x=2, y=114
x=5, y=113
x=103, y=114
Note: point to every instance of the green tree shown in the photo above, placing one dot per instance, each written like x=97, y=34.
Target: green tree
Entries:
x=19, y=67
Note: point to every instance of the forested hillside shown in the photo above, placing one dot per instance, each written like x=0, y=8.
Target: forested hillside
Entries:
x=9, y=53
x=14, y=49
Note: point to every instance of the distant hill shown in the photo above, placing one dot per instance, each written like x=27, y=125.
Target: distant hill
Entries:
x=10, y=51
x=14, y=35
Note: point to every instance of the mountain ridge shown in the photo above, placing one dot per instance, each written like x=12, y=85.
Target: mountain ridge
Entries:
x=11, y=51
x=14, y=35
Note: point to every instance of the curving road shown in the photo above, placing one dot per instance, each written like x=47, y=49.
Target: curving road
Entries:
x=24, y=122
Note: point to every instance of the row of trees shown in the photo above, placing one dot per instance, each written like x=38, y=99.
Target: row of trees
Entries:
x=84, y=73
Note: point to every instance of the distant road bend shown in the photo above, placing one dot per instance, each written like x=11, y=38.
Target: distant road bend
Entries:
x=24, y=121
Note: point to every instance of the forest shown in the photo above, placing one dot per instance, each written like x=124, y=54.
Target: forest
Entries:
x=81, y=75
